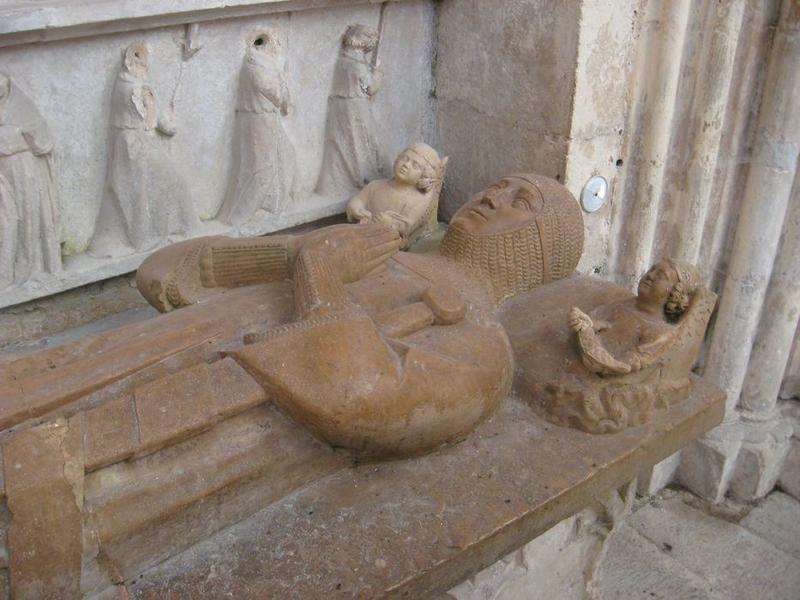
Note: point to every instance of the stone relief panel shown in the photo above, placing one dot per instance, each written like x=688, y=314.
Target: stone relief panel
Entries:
x=352, y=156
x=147, y=199
x=157, y=151
x=29, y=211
x=264, y=166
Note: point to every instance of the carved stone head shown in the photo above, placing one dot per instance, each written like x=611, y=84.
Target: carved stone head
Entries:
x=522, y=231
x=419, y=165
x=669, y=283
x=360, y=37
x=136, y=59
x=266, y=42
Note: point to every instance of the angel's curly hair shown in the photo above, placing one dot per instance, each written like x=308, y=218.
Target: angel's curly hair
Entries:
x=681, y=293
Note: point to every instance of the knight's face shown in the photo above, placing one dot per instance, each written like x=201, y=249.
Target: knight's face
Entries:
x=504, y=206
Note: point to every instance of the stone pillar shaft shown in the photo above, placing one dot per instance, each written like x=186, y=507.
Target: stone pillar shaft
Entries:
x=766, y=197
x=658, y=69
x=778, y=324
x=722, y=24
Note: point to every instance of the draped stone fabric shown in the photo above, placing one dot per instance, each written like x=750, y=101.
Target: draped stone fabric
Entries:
x=264, y=166
x=352, y=157
x=29, y=215
x=147, y=199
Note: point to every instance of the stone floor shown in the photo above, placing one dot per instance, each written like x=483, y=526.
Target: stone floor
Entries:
x=672, y=547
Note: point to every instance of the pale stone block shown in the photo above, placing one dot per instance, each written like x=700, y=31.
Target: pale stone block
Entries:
x=707, y=463
x=777, y=520
x=659, y=476
x=759, y=464
x=553, y=565
x=634, y=567
x=748, y=567
x=789, y=480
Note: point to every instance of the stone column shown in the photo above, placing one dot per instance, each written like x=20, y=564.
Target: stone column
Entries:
x=722, y=24
x=658, y=69
x=710, y=466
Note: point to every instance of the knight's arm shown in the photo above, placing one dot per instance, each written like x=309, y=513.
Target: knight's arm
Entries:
x=171, y=277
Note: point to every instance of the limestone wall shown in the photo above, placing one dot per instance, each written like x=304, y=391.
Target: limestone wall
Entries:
x=505, y=80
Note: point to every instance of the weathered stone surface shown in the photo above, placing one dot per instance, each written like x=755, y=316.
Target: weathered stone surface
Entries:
x=530, y=45
x=44, y=487
x=694, y=539
x=635, y=567
x=145, y=510
x=191, y=400
x=789, y=480
x=777, y=520
x=409, y=527
x=102, y=367
x=553, y=565
x=111, y=433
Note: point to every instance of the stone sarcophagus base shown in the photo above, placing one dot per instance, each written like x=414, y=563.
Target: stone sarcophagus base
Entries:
x=148, y=457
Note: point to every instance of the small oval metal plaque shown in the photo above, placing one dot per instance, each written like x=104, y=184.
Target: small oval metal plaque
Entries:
x=594, y=194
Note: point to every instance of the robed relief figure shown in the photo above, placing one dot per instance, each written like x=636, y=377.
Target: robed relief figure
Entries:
x=29, y=237
x=352, y=158
x=264, y=165
x=147, y=200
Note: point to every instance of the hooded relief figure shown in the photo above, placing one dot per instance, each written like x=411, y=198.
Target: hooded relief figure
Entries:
x=146, y=199
x=352, y=158
x=264, y=165
x=29, y=236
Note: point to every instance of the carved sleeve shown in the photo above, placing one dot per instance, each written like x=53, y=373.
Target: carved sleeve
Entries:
x=316, y=285
x=232, y=262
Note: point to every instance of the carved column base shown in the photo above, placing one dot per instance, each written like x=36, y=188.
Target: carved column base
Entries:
x=764, y=448
x=789, y=480
x=742, y=460
x=659, y=475
x=708, y=464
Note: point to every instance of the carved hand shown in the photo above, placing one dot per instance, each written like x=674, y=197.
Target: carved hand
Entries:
x=352, y=251
x=579, y=320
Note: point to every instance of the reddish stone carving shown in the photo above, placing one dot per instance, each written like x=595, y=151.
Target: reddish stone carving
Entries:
x=388, y=354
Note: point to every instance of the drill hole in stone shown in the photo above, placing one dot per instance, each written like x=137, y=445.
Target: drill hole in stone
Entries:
x=259, y=41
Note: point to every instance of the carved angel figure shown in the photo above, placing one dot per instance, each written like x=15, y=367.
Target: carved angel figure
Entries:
x=408, y=202
x=642, y=349
x=264, y=164
x=147, y=200
x=351, y=158
x=29, y=241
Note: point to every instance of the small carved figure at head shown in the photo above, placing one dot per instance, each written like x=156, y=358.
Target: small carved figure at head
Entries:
x=667, y=288
x=522, y=231
x=266, y=42
x=136, y=59
x=419, y=165
x=360, y=37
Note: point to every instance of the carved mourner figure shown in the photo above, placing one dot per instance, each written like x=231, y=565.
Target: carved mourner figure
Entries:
x=352, y=158
x=407, y=202
x=388, y=353
x=29, y=242
x=147, y=199
x=264, y=166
